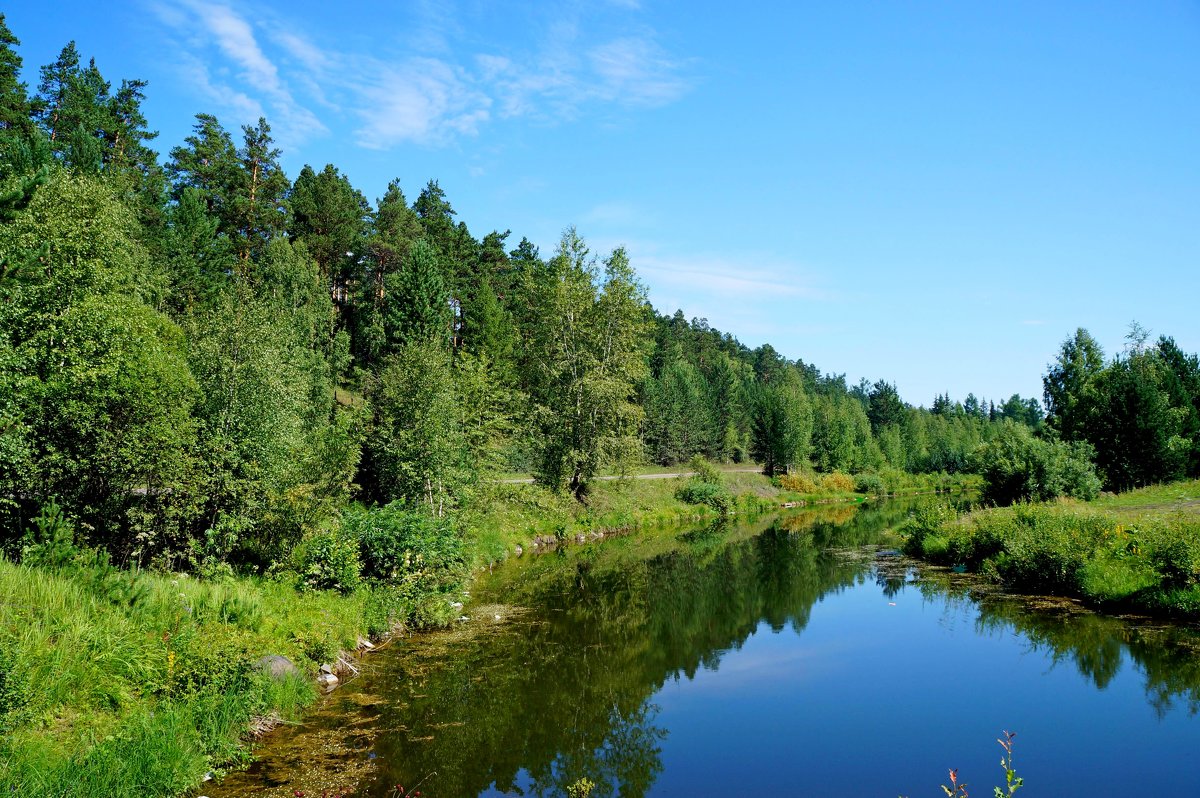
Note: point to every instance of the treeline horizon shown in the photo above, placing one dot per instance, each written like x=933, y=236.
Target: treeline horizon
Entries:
x=203, y=360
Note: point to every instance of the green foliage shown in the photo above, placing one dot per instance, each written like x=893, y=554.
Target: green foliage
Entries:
x=1119, y=557
x=586, y=356
x=1139, y=412
x=678, y=414
x=329, y=560
x=1016, y=466
x=416, y=451
x=704, y=471
x=872, y=484
x=15, y=687
x=50, y=541
x=104, y=695
x=406, y=547
x=416, y=308
x=781, y=422
x=717, y=497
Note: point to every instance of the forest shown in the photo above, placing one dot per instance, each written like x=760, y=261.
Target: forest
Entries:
x=204, y=361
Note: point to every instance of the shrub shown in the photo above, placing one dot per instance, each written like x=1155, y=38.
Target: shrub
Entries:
x=870, y=483
x=717, y=497
x=837, y=482
x=50, y=542
x=1173, y=555
x=212, y=660
x=795, y=483
x=704, y=471
x=927, y=519
x=329, y=560
x=396, y=544
x=1016, y=466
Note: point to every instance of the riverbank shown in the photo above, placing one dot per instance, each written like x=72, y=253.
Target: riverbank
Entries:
x=518, y=515
x=116, y=683
x=121, y=683
x=1132, y=552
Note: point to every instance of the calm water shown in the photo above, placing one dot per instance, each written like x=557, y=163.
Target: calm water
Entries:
x=791, y=657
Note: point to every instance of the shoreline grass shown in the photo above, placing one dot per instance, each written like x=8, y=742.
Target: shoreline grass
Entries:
x=139, y=683
x=1137, y=551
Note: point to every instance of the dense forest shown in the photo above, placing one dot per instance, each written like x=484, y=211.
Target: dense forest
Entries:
x=203, y=360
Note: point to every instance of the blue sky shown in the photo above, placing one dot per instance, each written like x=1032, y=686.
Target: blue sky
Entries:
x=933, y=193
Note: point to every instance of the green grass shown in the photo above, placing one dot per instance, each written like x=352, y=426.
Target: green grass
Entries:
x=120, y=684
x=1171, y=497
x=516, y=514
x=1134, y=551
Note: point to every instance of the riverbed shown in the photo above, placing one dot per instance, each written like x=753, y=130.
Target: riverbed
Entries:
x=793, y=655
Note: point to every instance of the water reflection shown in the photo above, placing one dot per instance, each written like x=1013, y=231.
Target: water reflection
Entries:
x=566, y=692
x=557, y=675
x=1097, y=646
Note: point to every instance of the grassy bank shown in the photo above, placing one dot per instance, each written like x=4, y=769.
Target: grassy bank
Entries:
x=518, y=514
x=123, y=683
x=114, y=683
x=133, y=683
x=1136, y=551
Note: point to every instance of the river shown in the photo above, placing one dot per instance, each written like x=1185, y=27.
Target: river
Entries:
x=796, y=655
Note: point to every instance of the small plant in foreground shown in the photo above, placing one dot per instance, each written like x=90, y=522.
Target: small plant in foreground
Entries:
x=398, y=790
x=955, y=789
x=1012, y=781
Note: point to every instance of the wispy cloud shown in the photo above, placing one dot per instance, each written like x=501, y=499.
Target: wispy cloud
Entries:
x=254, y=86
x=417, y=101
x=723, y=278
x=636, y=71
x=443, y=87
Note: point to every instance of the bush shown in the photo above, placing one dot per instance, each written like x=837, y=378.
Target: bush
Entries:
x=870, y=483
x=50, y=542
x=717, y=497
x=1175, y=557
x=1016, y=466
x=927, y=519
x=837, y=482
x=704, y=471
x=795, y=483
x=400, y=545
x=329, y=560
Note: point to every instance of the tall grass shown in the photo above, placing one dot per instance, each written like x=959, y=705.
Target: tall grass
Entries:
x=115, y=683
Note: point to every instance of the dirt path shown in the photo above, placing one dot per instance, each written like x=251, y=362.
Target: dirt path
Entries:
x=1187, y=506
x=529, y=480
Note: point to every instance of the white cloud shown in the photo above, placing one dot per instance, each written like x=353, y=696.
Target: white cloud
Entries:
x=445, y=92
x=418, y=101
x=256, y=88
x=635, y=70
x=198, y=75
x=302, y=50
x=723, y=278
x=235, y=38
